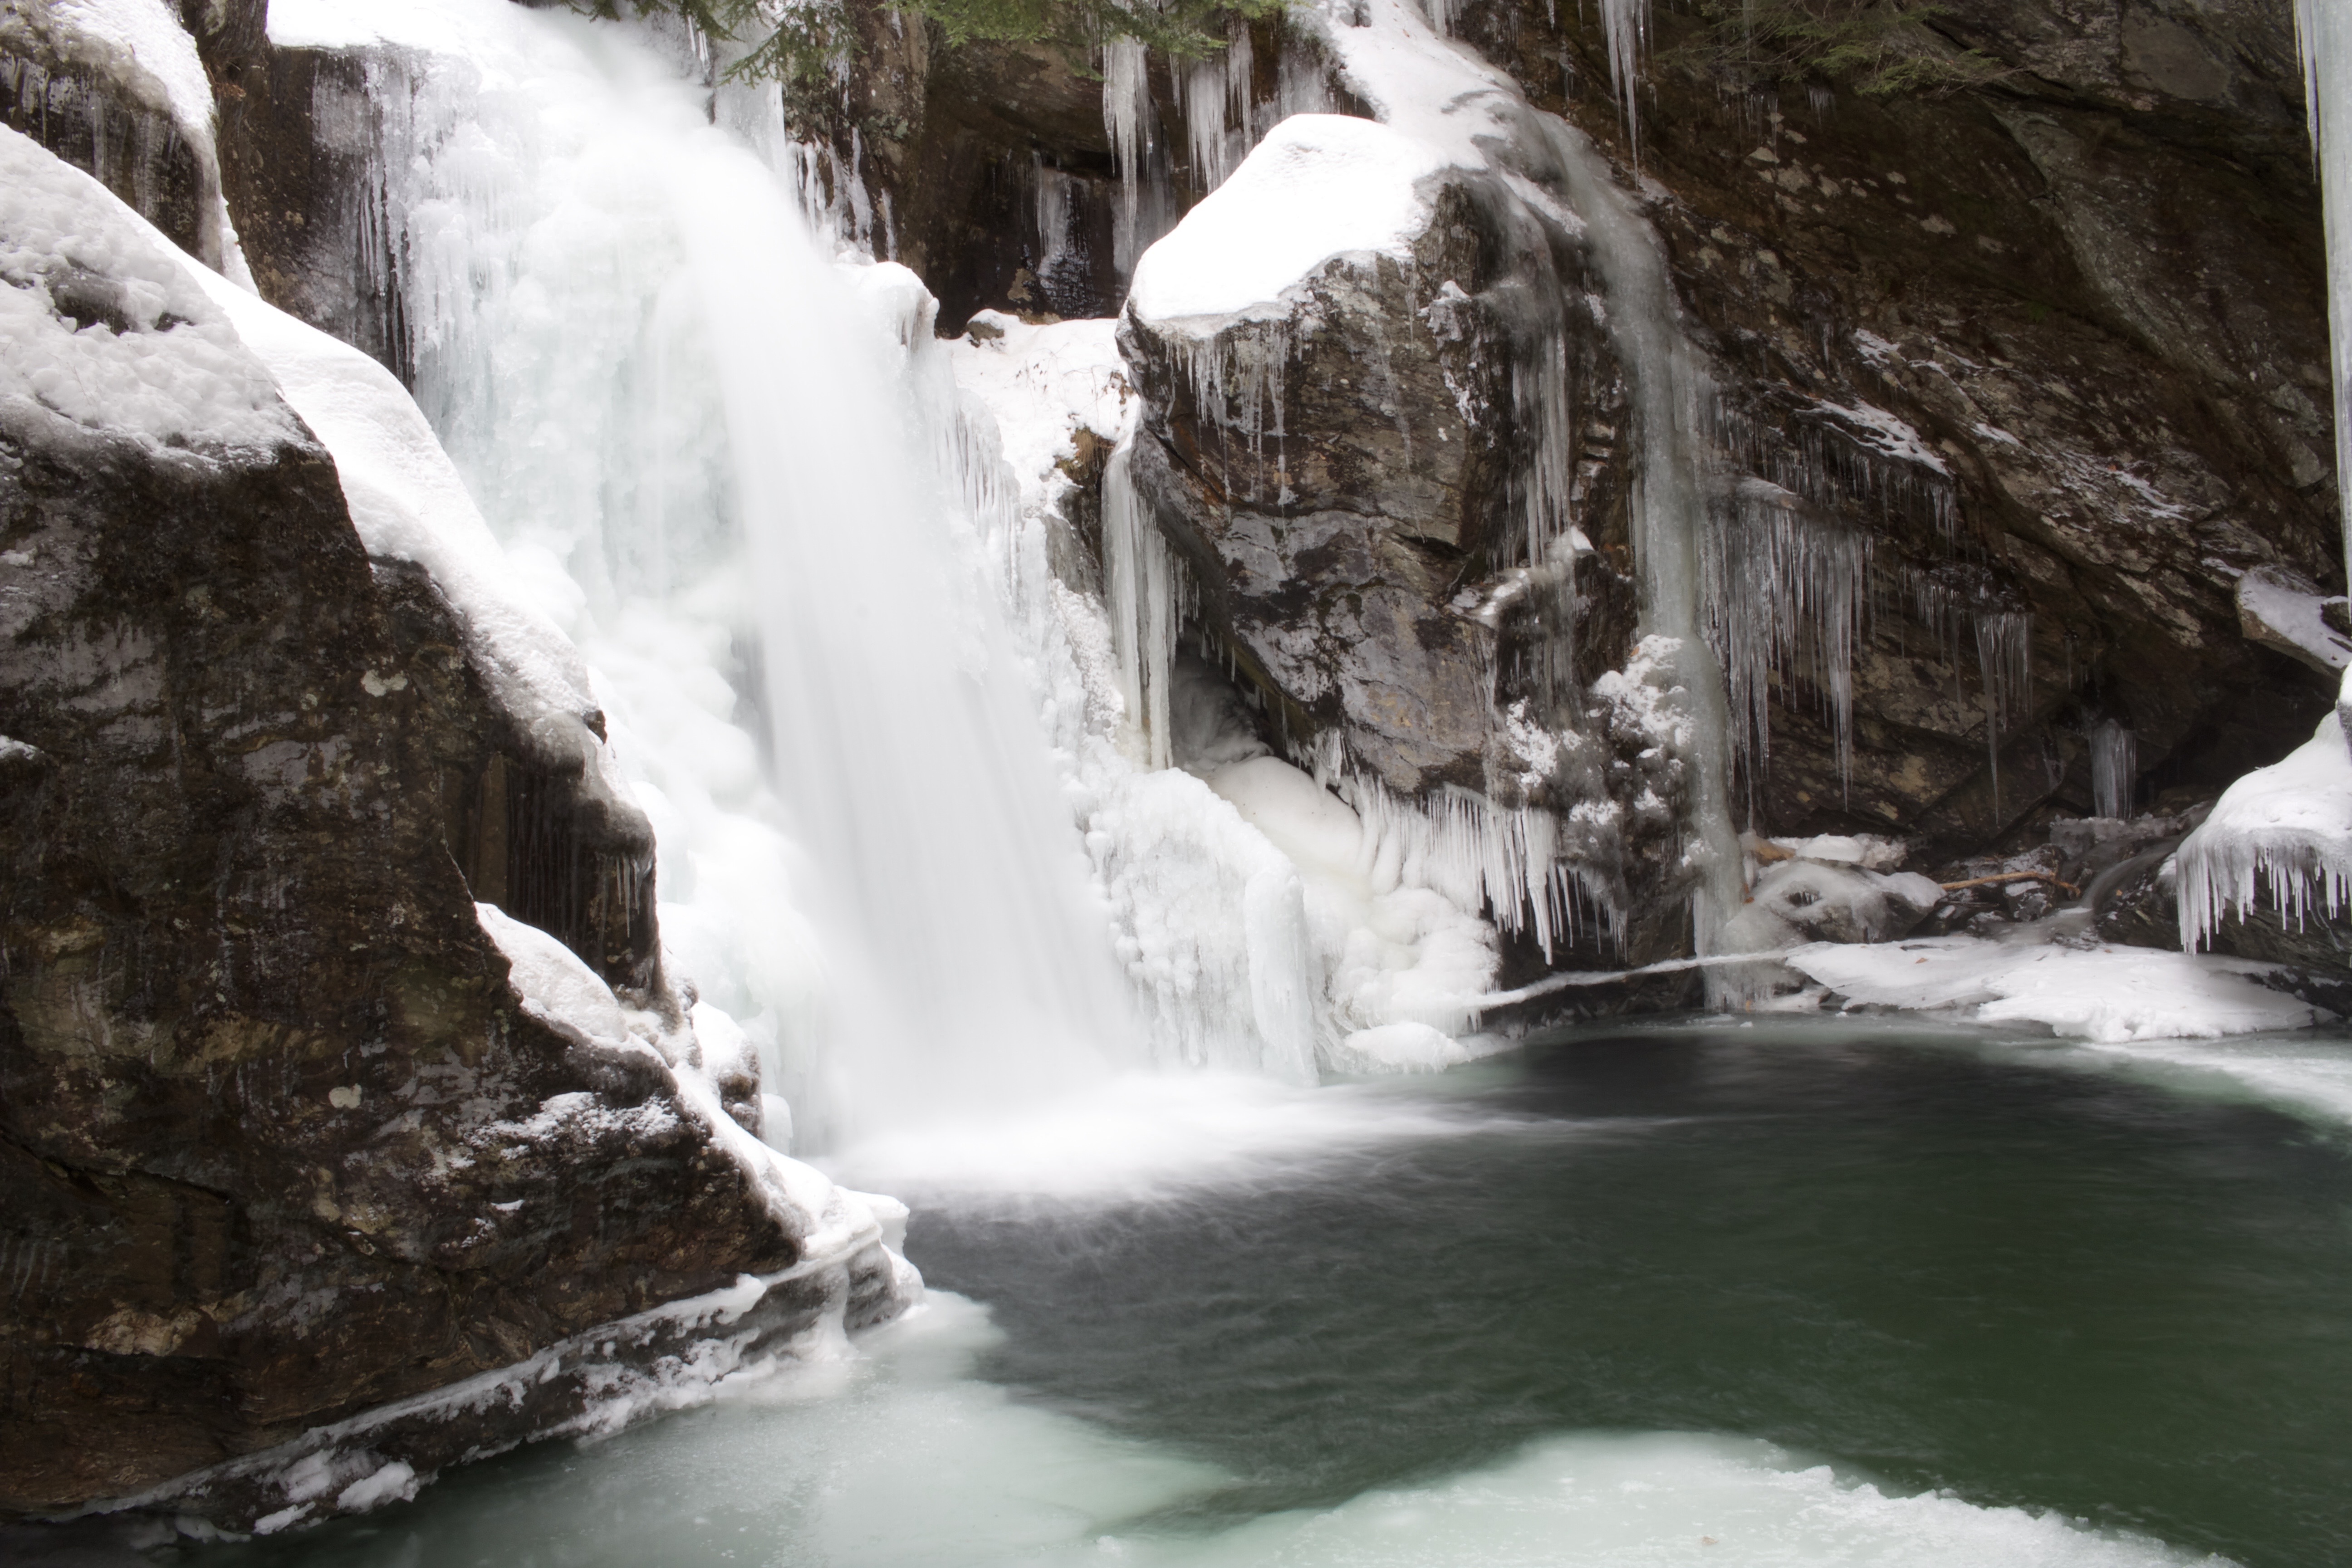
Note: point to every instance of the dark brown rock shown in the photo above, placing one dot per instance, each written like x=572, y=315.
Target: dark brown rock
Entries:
x=278, y=1142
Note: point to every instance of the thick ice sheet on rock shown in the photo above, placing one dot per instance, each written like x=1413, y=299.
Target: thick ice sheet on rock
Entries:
x=1319, y=185
x=2109, y=995
x=104, y=322
x=2284, y=832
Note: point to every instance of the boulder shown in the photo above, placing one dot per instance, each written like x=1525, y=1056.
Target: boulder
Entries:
x=289, y=1135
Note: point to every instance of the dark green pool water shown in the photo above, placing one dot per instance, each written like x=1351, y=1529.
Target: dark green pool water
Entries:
x=1929, y=1260
x=2032, y=1285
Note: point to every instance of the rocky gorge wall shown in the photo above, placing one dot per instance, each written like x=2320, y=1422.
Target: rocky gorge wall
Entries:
x=2018, y=374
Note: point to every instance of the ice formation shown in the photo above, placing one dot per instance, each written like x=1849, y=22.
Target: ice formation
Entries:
x=2114, y=768
x=106, y=328
x=2281, y=836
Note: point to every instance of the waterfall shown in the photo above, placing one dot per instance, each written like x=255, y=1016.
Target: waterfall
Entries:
x=706, y=455
x=1671, y=395
x=2324, y=30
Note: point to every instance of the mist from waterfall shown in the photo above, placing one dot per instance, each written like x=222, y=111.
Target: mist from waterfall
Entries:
x=699, y=438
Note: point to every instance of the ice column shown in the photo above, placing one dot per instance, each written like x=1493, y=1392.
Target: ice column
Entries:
x=2114, y=768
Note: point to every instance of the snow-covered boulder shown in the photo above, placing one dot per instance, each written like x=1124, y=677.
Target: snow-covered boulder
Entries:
x=1802, y=899
x=1314, y=367
x=337, y=1179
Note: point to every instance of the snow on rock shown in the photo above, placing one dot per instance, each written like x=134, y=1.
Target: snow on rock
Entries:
x=1802, y=900
x=2282, y=833
x=408, y=504
x=1884, y=434
x=142, y=48
x=1318, y=186
x=105, y=322
x=2108, y=995
x=2280, y=609
x=559, y=989
x=1045, y=384
x=556, y=987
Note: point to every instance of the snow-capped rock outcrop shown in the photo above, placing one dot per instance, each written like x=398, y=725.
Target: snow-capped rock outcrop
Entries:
x=313, y=1178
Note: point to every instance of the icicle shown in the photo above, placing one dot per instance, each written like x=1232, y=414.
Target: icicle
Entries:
x=1149, y=593
x=1460, y=844
x=1237, y=379
x=1786, y=598
x=2004, y=651
x=2281, y=831
x=1627, y=25
x=2114, y=768
x=1126, y=98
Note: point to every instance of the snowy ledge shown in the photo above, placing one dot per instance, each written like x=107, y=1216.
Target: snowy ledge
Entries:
x=1318, y=187
x=2107, y=995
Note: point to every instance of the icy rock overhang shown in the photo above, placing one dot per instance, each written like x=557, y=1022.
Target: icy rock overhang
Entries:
x=2281, y=837
x=2283, y=610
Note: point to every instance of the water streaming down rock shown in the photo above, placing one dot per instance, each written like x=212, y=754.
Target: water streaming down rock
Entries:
x=697, y=443
x=2324, y=30
x=2114, y=768
x=1670, y=396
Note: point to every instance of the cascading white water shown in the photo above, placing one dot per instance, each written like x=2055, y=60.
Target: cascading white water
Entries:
x=700, y=448
x=2325, y=29
x=1670, y=394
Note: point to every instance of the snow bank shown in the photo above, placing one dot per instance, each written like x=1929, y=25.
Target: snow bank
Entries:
x=2286, y=828
x=104, y=322
x=2109, y=995
x=1319, y=185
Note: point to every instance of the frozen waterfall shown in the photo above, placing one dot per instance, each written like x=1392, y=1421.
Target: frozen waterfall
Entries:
x=700, y=441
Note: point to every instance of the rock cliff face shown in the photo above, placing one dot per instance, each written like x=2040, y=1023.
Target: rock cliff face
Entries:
x=2017, y=372
x=286, y=1136
x=2090, y=285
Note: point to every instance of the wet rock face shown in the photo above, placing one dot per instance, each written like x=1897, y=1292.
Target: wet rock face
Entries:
x=276, y=1142
x=1322, y=475
x=2091, y=289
